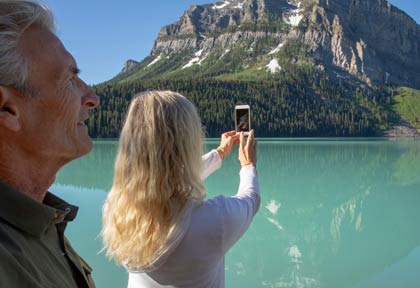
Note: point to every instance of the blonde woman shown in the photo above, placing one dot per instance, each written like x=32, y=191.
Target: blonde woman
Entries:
x=155, y=220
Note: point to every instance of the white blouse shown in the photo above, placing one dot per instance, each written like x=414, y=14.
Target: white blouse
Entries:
x=213, y=228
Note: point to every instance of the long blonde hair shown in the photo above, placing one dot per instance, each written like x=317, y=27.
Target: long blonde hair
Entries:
x=157, y=171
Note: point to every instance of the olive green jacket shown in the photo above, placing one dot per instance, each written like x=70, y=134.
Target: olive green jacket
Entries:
x=34, y=253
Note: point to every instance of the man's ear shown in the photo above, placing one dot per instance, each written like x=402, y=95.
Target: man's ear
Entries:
x=9, y=112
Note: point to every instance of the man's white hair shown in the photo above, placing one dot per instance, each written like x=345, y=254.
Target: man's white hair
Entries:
x=15, y=17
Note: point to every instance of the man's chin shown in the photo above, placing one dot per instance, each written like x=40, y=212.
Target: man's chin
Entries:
x=88, y=147
x=84, y=148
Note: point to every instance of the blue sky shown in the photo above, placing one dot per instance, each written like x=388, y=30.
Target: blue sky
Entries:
x=102, y=35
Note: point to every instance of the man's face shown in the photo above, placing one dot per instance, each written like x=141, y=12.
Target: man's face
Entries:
x=53, y=117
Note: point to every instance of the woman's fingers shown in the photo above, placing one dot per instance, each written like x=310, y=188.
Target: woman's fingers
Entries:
x=241, y=140
x=250, y=140
x=230, y=133
x=247, y=152
x=235, y=139
x=227, y=142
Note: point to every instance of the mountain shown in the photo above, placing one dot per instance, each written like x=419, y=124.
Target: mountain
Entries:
x=323, y=67
x=368, y=39
x=128, y=65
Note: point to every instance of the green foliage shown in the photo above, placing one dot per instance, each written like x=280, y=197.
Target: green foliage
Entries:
x=300, y=100
x=407, y=104
x=162, y=68
x=297, y=103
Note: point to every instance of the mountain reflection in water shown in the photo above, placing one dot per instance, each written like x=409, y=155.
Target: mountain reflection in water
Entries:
x=333, y=213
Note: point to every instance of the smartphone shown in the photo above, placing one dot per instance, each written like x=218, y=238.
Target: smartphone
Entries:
x=242, y=119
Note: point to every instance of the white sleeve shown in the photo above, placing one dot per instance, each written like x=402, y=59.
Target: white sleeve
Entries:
x=211, y=162
x=240, y=209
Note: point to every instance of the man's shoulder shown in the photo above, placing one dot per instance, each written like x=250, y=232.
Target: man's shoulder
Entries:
x=8, y=231
x=14, y=245
x=19, y=266
x=10, y=256
x=10, y=240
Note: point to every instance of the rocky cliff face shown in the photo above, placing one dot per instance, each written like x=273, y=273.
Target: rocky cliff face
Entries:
x=367, y=39
x=370, y=39
x=129, y=64
x=221, y=24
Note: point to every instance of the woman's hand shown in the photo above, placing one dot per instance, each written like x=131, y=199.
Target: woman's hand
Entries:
x=248, y=152
x=227, y=142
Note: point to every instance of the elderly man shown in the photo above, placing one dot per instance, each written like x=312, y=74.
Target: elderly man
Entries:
x=43, y=109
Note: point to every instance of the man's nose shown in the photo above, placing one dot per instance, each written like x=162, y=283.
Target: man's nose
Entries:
x=90, y=99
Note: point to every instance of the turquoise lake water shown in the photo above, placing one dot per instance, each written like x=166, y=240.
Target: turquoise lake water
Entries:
x=334, y=213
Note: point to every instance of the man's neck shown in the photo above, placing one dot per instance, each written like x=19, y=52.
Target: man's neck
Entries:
x=30, y=176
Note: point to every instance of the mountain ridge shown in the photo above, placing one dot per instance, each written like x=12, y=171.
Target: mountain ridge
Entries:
x=328, y=28
x=308, y=68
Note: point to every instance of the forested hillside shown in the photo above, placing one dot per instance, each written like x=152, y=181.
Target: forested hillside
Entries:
x=306, y=67
x=303, y=105
x=407, y=104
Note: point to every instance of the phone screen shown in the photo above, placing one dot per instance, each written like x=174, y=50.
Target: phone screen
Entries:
x=242, y=120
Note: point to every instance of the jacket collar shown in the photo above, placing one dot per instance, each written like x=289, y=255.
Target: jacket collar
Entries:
x=30, y=216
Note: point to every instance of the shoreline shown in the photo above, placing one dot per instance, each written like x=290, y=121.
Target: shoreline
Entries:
x=300, y=139
x=403, y=130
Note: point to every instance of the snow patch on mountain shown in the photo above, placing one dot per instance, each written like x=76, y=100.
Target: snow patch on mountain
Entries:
x=273, y=66
x=196, y=60
x=277, y=49
x=221, y=6
x=155, y=60
x=294, y=16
